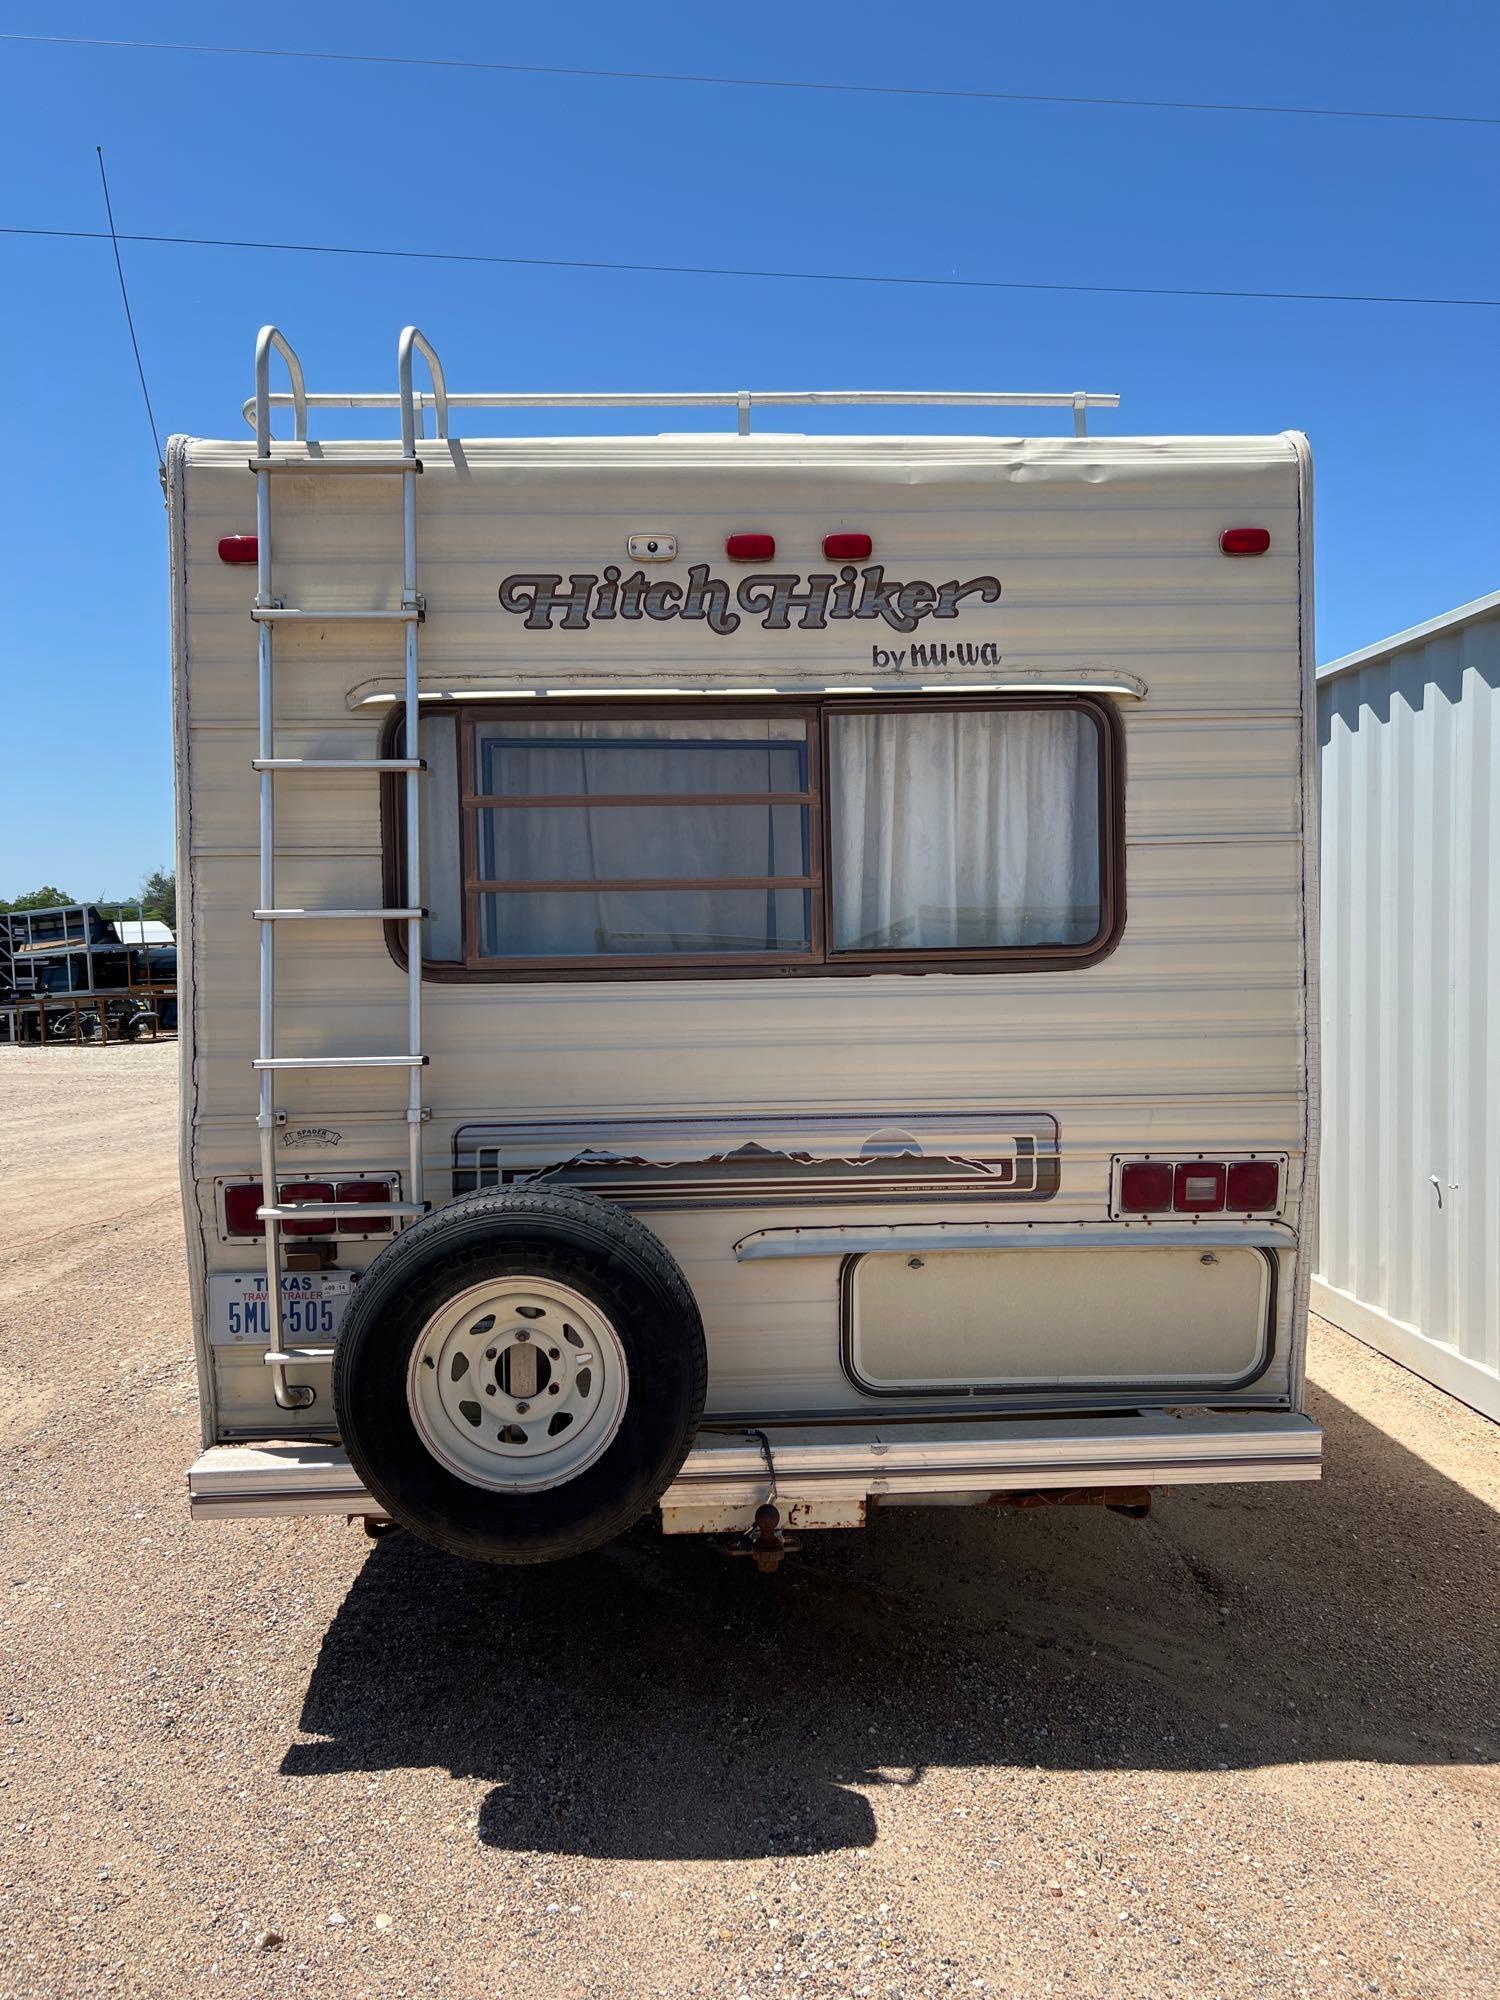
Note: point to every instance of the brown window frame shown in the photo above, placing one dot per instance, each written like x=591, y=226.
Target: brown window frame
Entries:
x=819, y=960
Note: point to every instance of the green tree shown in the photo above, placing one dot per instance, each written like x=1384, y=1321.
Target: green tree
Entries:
x=159, y=896
x=45, y=898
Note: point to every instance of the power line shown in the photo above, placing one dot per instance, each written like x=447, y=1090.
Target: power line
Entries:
x=765, y=82
x=736, y=271
x=135, y=345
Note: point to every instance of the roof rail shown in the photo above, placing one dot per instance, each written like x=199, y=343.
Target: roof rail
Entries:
x=413, y=402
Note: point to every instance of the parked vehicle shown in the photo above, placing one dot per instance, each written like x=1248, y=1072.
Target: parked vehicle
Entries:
x=815, y=1014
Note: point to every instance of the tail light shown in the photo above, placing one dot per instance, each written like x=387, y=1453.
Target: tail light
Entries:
x=242, y=1199
x=1198, y=1187
x=240, y=1206
x=291, y=1192
x=369, y=1225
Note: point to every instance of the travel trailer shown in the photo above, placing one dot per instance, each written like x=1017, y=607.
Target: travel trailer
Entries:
x=742, y=974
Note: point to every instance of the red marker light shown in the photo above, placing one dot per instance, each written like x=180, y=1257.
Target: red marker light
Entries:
x=239, y=549
x=1245, y=541
x=847, y=548
x=292, y=1192
x=750, y=548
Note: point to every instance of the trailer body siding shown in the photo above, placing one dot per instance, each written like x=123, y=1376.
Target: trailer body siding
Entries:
x=1194, y=1035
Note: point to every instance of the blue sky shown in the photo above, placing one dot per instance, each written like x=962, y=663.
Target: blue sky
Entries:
x=1399, y=401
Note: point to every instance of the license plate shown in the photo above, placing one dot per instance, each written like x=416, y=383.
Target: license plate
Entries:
x=312, y=1304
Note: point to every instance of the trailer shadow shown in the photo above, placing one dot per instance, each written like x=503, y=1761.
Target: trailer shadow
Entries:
x=657, y=1700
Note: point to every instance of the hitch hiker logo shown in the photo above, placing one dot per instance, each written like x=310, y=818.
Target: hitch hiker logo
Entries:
x=779, y=601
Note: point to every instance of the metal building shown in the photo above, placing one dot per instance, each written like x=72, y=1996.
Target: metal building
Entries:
x=1409, y=1231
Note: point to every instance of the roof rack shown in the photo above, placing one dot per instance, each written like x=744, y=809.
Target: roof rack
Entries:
x=299, y=399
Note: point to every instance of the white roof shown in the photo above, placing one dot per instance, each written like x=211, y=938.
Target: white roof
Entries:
x=1414, y=635
x=131, y=930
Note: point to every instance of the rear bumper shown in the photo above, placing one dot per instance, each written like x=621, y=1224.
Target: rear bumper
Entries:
x=828, y=1476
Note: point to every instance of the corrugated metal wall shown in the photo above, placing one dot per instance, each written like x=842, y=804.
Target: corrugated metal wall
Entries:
x=1409, y=1233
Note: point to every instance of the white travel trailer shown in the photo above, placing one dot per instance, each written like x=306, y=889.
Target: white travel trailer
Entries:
x=779, y=970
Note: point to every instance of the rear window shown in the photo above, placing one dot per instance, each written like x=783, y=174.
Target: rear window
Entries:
x=810, y=837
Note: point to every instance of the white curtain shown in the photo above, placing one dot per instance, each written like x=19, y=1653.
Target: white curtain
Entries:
x=964, y=829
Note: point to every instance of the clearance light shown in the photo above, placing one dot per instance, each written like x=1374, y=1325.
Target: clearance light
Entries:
x=750, y=548
x=847, y=548
x=1245, y=541
x=239, y=549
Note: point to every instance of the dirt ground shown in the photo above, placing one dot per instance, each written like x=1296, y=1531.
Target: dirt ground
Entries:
x=1246, y=1747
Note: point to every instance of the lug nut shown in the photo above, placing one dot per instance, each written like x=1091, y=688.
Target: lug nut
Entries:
x=489, y=1354
x=551, y=1388
x=523, y=1333
x=554, y=1352
x=522, y=1408
x=489, y=1388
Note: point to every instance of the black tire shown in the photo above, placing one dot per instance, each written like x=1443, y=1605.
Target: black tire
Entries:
x=599, y=1251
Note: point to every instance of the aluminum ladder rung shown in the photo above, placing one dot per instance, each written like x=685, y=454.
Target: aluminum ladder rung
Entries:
x=335, y=916
x=337, y=1211
x=283, y=614
x=284, y=1357
x=334, y=464
x=339, y=1062
x=338, y=763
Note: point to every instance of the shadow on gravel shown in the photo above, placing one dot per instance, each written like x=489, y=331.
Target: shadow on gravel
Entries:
x=657, y=1700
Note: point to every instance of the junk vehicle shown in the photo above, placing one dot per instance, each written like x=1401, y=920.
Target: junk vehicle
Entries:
x=758, y=976
x=71, y=973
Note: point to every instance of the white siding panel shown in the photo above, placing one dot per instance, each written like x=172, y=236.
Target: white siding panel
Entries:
x=1409, y=1248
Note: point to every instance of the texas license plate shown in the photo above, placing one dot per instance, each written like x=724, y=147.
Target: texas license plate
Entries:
x=312, y=1304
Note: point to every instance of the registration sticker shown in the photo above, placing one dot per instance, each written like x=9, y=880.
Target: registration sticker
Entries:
x=312, y=1304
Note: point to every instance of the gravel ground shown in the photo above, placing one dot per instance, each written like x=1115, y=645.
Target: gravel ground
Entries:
x=1246, y=1747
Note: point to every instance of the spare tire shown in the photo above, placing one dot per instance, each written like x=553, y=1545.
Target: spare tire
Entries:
x=519, y=1376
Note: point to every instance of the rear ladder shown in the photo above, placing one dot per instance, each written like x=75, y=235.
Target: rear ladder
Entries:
x=268, y=613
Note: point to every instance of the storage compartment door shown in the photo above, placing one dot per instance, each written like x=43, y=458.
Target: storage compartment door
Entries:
x=1057, y=1318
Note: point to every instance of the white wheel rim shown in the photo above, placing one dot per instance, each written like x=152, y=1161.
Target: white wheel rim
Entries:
x=517, y=1384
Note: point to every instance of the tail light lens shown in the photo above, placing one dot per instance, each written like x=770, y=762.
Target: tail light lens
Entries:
x=243, y=1198
x=1198, y=1187
x=294, y=1191
x=1253, y=1184
x=367, y=1225
x=240, y=1204
x=1146, y=1187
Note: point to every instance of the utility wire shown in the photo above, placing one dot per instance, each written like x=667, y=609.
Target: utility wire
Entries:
x=129, y=317
x=765, y=82
x=803, y=277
